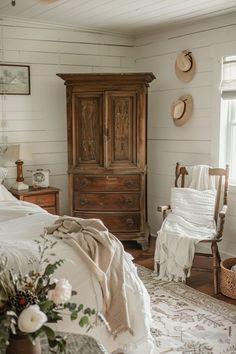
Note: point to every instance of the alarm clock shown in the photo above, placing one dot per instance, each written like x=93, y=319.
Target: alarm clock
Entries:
x=40, y=178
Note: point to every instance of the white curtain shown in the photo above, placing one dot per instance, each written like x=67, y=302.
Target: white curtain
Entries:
x=228, y=115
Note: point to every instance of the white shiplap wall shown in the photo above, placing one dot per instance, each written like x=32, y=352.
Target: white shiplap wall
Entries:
x=197, y=141
x=40, y=118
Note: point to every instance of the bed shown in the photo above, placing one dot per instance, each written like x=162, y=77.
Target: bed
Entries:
x=22, y=222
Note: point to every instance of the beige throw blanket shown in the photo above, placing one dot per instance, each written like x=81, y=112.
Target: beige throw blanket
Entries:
x=103, y=253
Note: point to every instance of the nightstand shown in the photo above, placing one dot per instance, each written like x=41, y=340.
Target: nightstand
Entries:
x=47, y=198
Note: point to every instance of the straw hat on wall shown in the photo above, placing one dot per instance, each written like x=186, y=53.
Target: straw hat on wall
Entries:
x=185, y=66
x=181, y=109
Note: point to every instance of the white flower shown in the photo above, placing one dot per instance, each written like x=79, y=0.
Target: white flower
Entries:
x=31, y=319
x=61, y=293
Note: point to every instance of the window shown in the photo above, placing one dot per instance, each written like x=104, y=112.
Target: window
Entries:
x=228, y=116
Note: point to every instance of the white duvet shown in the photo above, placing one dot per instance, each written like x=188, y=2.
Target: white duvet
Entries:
x=21, y=223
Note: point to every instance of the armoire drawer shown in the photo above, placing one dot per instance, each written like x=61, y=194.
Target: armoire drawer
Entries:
x=115, y=222
x=106, y=201
x=107, y=183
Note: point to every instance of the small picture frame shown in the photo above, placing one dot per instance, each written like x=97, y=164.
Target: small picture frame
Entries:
x=14, y=79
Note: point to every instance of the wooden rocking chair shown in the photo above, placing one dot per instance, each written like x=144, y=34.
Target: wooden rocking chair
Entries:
x=219, y=215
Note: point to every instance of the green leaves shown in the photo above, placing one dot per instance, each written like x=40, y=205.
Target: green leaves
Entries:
x=46, y=306
x=80, y=307
x=49, y=332
x=70, y=306
x=76, y=309
x=89, y=311
x=84, y=321
x=59, y=343
x=51, y=268
x=54, y=316
x=73, y=315
x=7, y=320
x=55, y=341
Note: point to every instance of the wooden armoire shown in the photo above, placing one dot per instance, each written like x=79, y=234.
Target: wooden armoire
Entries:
x=106, y=127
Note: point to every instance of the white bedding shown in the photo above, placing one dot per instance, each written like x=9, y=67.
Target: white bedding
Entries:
x=21, y=223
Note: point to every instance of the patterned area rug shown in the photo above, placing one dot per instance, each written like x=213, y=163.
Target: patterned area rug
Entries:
x=187, y=321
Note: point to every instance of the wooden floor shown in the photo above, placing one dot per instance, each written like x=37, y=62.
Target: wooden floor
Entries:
x=202, y=281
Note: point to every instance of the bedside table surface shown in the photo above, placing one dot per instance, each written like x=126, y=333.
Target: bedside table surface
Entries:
x=34, y=191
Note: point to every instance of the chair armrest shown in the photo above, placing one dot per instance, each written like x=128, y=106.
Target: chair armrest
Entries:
x=220, y=228
x=223, y=211
x=163, y=209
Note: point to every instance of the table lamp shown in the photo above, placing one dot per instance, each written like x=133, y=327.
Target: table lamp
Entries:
x=19, y=153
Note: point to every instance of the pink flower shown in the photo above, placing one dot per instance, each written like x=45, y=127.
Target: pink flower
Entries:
x=61, y=293
x=31, y=319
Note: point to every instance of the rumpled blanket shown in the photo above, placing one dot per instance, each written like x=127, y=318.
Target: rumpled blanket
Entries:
x=103, y=253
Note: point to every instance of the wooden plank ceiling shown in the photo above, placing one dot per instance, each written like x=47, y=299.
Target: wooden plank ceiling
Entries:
x=131, y=17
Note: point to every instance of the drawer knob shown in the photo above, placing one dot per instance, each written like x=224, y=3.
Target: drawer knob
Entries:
x=126, y=201
x=130, y=184
x=83, y=202
x=129, y=202
x=84, y=182
x=130, y=222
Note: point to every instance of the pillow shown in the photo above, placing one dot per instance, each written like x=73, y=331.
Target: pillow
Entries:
x=194, y=206
x=5, y=194
x=3, y=173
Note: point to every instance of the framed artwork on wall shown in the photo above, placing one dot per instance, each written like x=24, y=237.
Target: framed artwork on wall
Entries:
x=14, y=79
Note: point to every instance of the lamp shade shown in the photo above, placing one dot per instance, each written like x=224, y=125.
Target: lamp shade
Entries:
x=18, y=152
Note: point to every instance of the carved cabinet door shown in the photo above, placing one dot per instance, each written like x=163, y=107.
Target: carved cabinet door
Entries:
x=122, y=129
x=87, y=130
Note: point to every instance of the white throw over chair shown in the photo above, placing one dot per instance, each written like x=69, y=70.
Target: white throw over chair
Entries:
x=196, y=214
